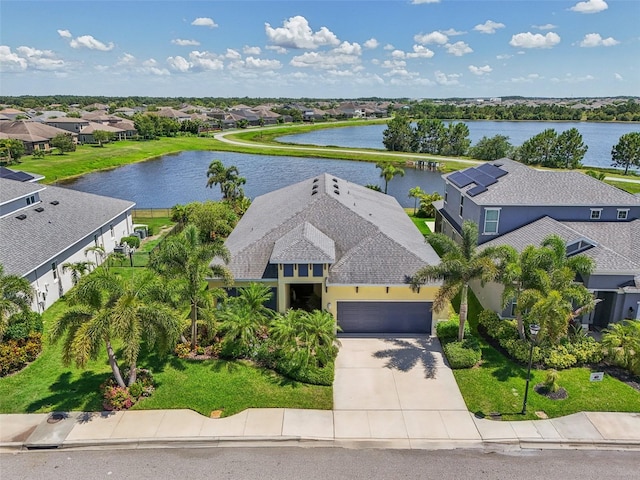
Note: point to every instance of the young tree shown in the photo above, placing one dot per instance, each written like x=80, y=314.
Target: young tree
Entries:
x=388, y=171
x=63, y=142
x=16, y=296
x=415, y=193
x=538, y=150
x=492, y=148
x=101, y=136
x=626, y=153
x=185, y=260
x=570, y=149
x=214, y=220
x=430, y=136
x=456, y=140
x=427, y=210
x=77, y=269
x=460, y=264
x=622, y=340
x=11, y=150
x=106, y=308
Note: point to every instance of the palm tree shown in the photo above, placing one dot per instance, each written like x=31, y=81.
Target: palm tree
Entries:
x=78, y=269
x=228, y=179
x=415, y=193
x=460, y=264
x=106, y=308
x=185, y=259
x=16, y=296
x=622, y=341
x=388, y=171
x=98, y=251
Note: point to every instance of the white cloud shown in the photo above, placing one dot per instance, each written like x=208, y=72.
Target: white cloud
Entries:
x=420, y=2
x=204, y=22
x=371, y=44
x=488, y=27
x=458, y=49
x=276, y=49
x=151, y=66
x=232, y=54
x=546, y=26
x=185, y=43
x=571, y=79
x=85, y=41
x=590, y=6
x=326, y=60
x=398, y=54
x=347, y=48
x=618, y=76
x=452, y=32
x=178, y=63
x=296, y=33
x=595, y=40
x=534, y=40
x=262, y=64
x=205, y=61
x=10, y=61
x=388, y=46
x=126, y=59
x=36, y=59
x=393, y=64
x=444, y=79
x=420, y=51
x=438, y=38
x=480, y=70
x=247, y=50
x=528, y=79
x=503, y=56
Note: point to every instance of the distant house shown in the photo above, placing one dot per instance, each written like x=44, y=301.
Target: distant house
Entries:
x=517, y=205
x=326, y=243
x=86, y=134
x=34, y=135
x=43, y=227
x=73, y=125
x=169, y=112
x=13, y=113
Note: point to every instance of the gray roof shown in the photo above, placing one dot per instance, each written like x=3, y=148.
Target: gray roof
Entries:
x=615, y=249
x=304, y=244
x=375, y=242
x=524, y=185
x=12, y=189
x=29, y=243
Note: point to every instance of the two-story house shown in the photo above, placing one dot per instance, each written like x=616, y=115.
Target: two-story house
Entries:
x=326, y=243
x=518, y=205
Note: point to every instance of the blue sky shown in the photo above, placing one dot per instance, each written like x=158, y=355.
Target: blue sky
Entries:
x=321, y=48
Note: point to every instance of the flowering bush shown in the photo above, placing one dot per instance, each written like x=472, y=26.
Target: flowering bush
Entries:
x=117, y=398
x=16, y=353
x=183, y=350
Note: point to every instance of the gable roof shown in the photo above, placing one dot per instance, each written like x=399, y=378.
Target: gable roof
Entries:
x=27, y=130
x=27, y=244
x=615, y=244
x=374, y=240
x=523, y=185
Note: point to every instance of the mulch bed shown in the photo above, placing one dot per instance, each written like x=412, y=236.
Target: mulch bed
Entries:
x=542, y=389
x=620, y=374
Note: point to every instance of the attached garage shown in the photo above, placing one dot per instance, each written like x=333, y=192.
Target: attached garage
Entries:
x=384, y=317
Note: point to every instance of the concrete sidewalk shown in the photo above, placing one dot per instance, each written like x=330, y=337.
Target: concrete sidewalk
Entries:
x=388, y=429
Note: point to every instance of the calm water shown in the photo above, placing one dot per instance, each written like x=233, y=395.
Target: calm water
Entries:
x=182, y=178
x=600, y=137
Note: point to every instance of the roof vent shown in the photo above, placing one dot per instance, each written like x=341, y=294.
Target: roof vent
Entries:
x=315, y=180
x=55, y=202
x=39, y=209
x=335, y=180
x=22, y=216
x=314, y=192
x=337, y=192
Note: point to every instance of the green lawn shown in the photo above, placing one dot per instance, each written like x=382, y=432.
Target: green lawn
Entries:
x=419, y=222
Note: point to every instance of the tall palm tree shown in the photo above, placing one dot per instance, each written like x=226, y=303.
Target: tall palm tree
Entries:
x=415, y=193
x=185, y=259
x=78, y=269
x=106, y=308
x=16, y=296
x=98, y=251
x=460, y=265
x=228, y=179
x=388, y=171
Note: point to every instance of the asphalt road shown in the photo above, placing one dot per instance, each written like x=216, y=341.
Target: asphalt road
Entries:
x=283, y=463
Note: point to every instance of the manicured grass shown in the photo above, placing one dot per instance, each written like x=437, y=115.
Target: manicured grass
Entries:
x=631, y=187
x=156, y=224
x=420, y=222
x=498, y=385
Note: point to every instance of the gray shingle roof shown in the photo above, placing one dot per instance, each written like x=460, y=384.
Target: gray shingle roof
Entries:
x=524, y=185
x=304, y=244
x=375, y=241
x=616, y=247
x=29, y=243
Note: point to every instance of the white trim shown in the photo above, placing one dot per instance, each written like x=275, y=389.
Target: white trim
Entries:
x=497, y=220
x=593, y=210
x=626, y=213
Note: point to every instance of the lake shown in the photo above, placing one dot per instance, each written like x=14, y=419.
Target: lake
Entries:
x=600, y=137
x=182, y=178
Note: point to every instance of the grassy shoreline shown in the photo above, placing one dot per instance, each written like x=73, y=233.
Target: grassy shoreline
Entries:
x=257, y=141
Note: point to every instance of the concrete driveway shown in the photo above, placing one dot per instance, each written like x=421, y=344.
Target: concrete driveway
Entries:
x=397, y=387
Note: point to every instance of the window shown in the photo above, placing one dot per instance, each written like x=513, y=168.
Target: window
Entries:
x=445, y=194
x=111, y=228
x=623, y=214
x=31, y=199
x=596, y=213
x=288, y=270
x=95, y=240
x=318, y=269
x=54, y=270
x=303, y=270
x=514, y=305
x=461, y=205
x=491, y=220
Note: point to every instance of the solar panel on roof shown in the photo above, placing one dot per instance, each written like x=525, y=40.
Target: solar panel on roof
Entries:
x=472, y=192
x=459, y=179
x=480, y=178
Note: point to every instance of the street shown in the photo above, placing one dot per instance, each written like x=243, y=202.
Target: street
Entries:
x=317, y=463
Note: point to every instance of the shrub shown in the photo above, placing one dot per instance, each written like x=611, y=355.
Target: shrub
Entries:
x=116, y=398
x=183, y=350
x=133, y=241
x=448, y=330
x=311, y=374
x=519, y=350
x=21, y=324
x=559, y=358
x=586, y=350
x=136, y=390
x=460, y=355
x=15, y=354
x=551, y=380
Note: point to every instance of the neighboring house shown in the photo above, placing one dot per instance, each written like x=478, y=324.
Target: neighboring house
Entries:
x=43, y=227
x=34, y=135
x=19, y=176
x=518, y=205
x=169, y=112
x=13, y=113
x=70, y=124
x=86, y=134
x=330, y=244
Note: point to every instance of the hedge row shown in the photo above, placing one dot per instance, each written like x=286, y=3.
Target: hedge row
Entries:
x=465, y=354
x=15, y=354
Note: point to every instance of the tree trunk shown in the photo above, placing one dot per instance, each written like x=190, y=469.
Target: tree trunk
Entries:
x=520, y=326
x=194, y=326
x=464, y=307
x=113, y=363
x=133, y=373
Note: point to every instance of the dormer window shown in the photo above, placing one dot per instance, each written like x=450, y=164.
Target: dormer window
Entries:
x=623, y=214
x=596, y=213
x=578, y=246
x=31, y=200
